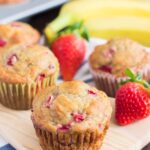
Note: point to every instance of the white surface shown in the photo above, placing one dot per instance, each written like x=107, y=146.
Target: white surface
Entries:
x=2, y=142
x=10, y=13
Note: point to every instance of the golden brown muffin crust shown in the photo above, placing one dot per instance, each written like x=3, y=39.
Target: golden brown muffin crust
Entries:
x=22, y=64
x=18, y=32
x=117, y=55
x=71, y=106
x=11, y=1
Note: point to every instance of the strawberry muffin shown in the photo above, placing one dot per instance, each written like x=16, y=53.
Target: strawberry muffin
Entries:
x=71, y=115
x=16, y=33
x=11, y=1
x=24, y=71
x=108, y=63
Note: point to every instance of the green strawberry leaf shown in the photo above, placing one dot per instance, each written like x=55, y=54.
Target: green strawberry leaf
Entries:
x=85, y=34
x=74, y=28
x=138, y=77
x=76, y=33
x=130, y=74
x=146, y=84
x=135, y=78
x=123, y=82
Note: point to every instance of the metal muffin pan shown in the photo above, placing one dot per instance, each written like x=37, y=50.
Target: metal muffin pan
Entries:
x=13, y=12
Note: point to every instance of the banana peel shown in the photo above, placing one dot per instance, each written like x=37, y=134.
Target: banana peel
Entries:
x=105, y=19
x=87, y=9
x=136, y=28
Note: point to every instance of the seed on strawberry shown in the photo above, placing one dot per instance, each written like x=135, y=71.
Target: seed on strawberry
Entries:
x=92, y=92
x=48, y=102
x=64, y=128
x=77, y=117
x=106, y=68
x=12, y=60
x=2, y=42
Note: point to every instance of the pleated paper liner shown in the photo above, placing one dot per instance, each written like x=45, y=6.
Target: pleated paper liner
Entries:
x=20, y=96
x=110, y=84
x=70, y=141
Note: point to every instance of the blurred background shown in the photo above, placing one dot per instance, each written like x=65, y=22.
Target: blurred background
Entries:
x=103, y=18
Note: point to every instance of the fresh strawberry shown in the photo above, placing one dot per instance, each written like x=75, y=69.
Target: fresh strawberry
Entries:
x=132, y=100
x=70, y=49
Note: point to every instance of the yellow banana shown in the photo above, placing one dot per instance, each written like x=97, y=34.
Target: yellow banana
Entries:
x=87, y=9
x=99, y=13
x=136, y=28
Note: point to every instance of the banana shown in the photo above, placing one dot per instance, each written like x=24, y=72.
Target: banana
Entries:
x=101, y=13
x=136, y=28
x=86, y=9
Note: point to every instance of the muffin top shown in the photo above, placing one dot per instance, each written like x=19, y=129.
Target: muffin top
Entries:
x=17, y=32
x=10, y=1
x=72, y=106
x=117, y=55
x=22, y=64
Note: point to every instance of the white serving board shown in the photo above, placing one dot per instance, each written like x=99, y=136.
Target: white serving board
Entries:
x=16, y=127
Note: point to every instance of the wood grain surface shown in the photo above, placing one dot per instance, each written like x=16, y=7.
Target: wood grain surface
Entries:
x=16, y=127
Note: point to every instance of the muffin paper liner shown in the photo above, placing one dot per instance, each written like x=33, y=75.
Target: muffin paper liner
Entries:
x=20, y=96
x=109, y=83
x=70, y=141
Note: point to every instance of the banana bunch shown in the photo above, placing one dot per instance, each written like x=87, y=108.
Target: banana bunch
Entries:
x=106, y=19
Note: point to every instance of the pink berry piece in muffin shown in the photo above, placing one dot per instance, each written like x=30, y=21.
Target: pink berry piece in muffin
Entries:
x=109, y=61
x=26, y=70
x=71, y=115
x=18, y=33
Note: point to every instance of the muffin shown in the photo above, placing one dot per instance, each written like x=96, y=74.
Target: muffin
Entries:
x=108, y=63
x=71, y=115
x=24, y=71
x=18, y=33
x=11, y=1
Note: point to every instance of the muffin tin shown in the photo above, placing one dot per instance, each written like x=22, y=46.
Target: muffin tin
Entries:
x=29, y=7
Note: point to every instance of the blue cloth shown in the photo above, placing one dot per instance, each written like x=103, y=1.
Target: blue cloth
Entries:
x=7, y=147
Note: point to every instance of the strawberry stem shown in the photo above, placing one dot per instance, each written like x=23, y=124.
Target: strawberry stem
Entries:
x=67, y=23
x=130, y=74
x=77, y=28
x=135, y=78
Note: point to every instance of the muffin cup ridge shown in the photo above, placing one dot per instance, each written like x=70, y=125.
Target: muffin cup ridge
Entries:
x=109, y=83
x=20, y=96
x=52, y=141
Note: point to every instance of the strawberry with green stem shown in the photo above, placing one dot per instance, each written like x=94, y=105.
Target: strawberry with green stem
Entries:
x=132, y=100
x=69, y=46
